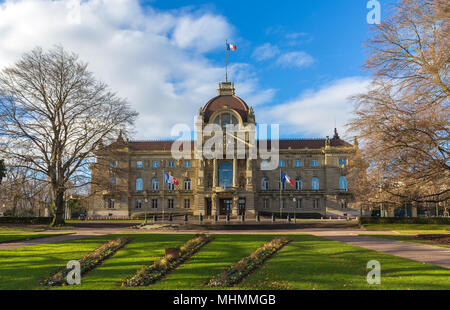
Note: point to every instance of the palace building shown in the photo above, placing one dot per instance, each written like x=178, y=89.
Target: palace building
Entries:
x=128, y=177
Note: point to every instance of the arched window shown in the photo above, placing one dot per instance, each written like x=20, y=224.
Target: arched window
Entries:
x=139, y=184
x=226, y=174
x=187, y=184
x=264, y=184
x=298, y=184
x=315, y=183
x=155, y=184
x=343, y=183
x=225, y=119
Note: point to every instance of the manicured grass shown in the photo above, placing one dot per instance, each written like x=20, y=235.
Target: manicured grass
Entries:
x=308, y=262
x=407, y=227
x=408, y=238
x=25, y=267
x=19, y=228
x=313, y=263
x=21, y=237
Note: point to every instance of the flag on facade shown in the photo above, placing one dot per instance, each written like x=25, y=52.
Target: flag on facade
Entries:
x=231, y=47
x=170, y=179
x=286, y=178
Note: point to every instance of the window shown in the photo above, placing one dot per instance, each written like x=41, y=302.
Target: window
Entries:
x=315, y=183
x=264, y=164
x=155, y=164
x=283, y=185
x=298, y=163
x=187, y=163
x=264, y=184
x=138, y=204
x=281, y=163
x=344, y=204
x=266, y=203
x=299, y=203
x=316, y=203
x=154, y=203
x=139, y=164
x=171, y=164
x=187, y=203
x=111, y=203
x=139, y=185
x=343, y=162
x=298, y=184
x=170, y=186
x=283, y=203
x=113, y=163
x=225, y=119
x=187, y=184
x=315, y=163
x=226, y=174
x=343, y=183
x=170, y=203
x=155, y=184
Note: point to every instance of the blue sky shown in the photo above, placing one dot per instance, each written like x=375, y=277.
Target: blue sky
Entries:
x=297, y=62
x=332, y=32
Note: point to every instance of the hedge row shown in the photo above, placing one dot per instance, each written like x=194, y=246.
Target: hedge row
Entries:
x=404, y=220
x=88, y=261
x=245, y=266
x=292, y=214
x=150, y=274
x=25, y=220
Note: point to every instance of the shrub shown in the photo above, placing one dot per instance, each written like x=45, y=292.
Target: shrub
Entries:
x=404, y=220
x=89, y=261
x=245, y=266
x=154, y=272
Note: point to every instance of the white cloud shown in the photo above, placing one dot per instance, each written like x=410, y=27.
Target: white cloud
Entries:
x=313, y=113
x=155, y=59
x=265, y=51
x=295, y=59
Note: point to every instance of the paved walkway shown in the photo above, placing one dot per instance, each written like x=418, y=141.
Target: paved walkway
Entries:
x=419, y=252
x=410, y=250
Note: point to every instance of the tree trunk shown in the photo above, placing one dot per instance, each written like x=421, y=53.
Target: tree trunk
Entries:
x=58, y=217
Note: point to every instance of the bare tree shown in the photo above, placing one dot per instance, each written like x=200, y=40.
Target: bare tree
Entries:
x=54, y=114
x=403, y=119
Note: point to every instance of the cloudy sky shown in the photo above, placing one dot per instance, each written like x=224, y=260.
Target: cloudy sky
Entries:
x=297, y=61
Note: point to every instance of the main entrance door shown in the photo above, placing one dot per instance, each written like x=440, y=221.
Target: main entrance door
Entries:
x=208, y=206
x=226, y=205
x=241, y=209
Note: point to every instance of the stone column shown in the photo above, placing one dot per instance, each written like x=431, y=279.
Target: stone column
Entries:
x=235, y=173
x=215, y=172
x=214, y=205
x=235, y=206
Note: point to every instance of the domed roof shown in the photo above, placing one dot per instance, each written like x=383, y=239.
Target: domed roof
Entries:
x=227, y=98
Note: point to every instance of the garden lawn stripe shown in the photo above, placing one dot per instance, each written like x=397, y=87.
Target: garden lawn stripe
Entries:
x=310, y=263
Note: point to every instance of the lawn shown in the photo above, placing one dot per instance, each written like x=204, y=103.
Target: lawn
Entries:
x=426, y=227
x=20, y=237
x=19, y=228
x=308, y=262
x=408, y=238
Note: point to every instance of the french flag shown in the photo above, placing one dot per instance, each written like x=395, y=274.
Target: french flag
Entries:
x=170, y=179
x=231, y=47
x=286, y=178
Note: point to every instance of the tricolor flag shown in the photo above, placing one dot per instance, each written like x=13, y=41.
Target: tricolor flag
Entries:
x=286, y=178
x=231, y=47
x=170, y=179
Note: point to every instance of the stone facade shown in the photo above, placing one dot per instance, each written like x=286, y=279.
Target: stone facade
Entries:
x=130, y=179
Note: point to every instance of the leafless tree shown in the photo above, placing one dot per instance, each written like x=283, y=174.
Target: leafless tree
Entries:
x=403, y=119
x=53, y=115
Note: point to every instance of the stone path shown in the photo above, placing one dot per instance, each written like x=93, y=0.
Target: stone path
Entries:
x=419, y=252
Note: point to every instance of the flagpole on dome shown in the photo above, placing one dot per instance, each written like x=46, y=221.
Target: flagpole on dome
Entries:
x=226, y=61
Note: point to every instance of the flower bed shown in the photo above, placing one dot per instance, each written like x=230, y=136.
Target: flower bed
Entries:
x=89, y=261
x=245, y=266
x=154, y=272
